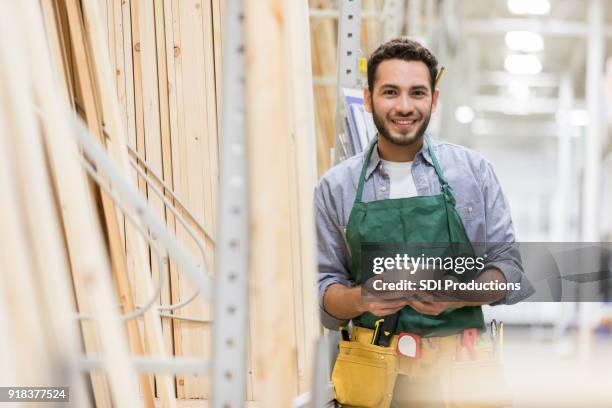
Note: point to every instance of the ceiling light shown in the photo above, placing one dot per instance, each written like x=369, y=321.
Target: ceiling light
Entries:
x=536, y=7
x=523, y=64
x=464, y=114
x=518, y=90
x=527, y=41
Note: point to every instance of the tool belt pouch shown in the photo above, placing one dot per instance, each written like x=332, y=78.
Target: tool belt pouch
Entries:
x=479, y=384
x=364, y=375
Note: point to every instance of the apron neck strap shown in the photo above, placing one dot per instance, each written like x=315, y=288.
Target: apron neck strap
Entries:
x=366, y=162
x=446, y=188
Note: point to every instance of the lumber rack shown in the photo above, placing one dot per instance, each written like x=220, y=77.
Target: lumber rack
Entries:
x=230, y=286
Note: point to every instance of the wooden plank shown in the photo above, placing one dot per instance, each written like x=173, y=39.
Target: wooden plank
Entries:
x=131, y=125
x=31, y=363
x=303, y=179
x=71, y=74
x=56, y=21
x=83, y=69
x=217, y=18
x=172, y=17
x=130, y=109
x=166, y=153
x=323, y=45
x=86, y=92
x=194, y=171
x=18, y=290
x=123, y=281
x=8, y=347
x=118, y=149
x=212, y=146
x=132, y=235
x=103, y=7
x=135, y=6
x=115, y=30
x=152, y=123
x=52, y=29
x=269, y=130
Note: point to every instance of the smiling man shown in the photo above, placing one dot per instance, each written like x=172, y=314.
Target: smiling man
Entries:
x=408, y=188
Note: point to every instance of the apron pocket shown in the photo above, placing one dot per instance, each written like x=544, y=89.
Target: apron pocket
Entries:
x=363, y=377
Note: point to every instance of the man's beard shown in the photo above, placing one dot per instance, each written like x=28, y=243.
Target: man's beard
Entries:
x=399, y=141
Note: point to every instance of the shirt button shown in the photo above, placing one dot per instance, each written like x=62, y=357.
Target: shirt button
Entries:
x=383, y=189
x=470, y=209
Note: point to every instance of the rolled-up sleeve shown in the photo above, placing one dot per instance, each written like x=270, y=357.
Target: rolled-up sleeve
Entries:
x=332, y=254
x=502, y=251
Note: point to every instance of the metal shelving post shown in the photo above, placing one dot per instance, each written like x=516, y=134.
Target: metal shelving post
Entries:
x=231, y=279
x=348, y=73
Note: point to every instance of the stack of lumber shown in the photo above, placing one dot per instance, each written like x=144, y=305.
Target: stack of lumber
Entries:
x=324, y=44
x=144, y=76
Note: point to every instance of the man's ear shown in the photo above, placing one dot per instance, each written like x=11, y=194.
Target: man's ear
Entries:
x=367, y=99
x=434, y=99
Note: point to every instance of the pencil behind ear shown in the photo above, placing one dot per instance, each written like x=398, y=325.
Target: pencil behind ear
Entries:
x=439, y=76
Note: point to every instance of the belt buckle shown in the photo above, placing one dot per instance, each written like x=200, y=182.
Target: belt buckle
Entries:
x=408, y=345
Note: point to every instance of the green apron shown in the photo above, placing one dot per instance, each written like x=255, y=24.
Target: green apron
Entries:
x=414, y=220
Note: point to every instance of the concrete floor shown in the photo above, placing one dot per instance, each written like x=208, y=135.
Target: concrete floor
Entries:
x=546, y=372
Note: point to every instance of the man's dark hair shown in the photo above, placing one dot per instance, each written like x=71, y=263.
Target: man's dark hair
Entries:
x=404, y=49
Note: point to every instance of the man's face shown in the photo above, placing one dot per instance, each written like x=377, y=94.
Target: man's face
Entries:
x=402, y=100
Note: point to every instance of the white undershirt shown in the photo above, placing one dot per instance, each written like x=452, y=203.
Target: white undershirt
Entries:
x=400, y=176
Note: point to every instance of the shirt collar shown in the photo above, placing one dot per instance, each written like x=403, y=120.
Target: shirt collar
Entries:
x=375, y=159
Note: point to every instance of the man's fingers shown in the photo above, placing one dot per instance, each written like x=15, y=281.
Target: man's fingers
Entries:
x=427, y=308
x=387, y=304
x=385, y=308
x=385, y=311
x=382, y=309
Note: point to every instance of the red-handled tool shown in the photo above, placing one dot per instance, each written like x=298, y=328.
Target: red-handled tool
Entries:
x=468, y=341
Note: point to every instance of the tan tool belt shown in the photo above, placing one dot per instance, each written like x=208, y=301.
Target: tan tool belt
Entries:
x=365, y=374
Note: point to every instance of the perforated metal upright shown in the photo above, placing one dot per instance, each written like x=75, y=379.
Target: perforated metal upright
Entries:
x=231, y=278
x=349, y=23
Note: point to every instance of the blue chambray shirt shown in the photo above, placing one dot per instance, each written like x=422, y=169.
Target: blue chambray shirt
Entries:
x=481, y=204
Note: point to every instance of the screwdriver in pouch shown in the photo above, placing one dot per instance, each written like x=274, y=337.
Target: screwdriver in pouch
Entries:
x=377, y=331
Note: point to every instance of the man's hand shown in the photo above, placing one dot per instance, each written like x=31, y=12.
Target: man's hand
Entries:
x=346, y=303
x=343, y=302
x=383, y=307
x=436, y=302
x=433, y=308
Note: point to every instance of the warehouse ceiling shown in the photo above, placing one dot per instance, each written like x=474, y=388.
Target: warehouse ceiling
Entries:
x=482, y=87
x=517, y=119
x=484, y=25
